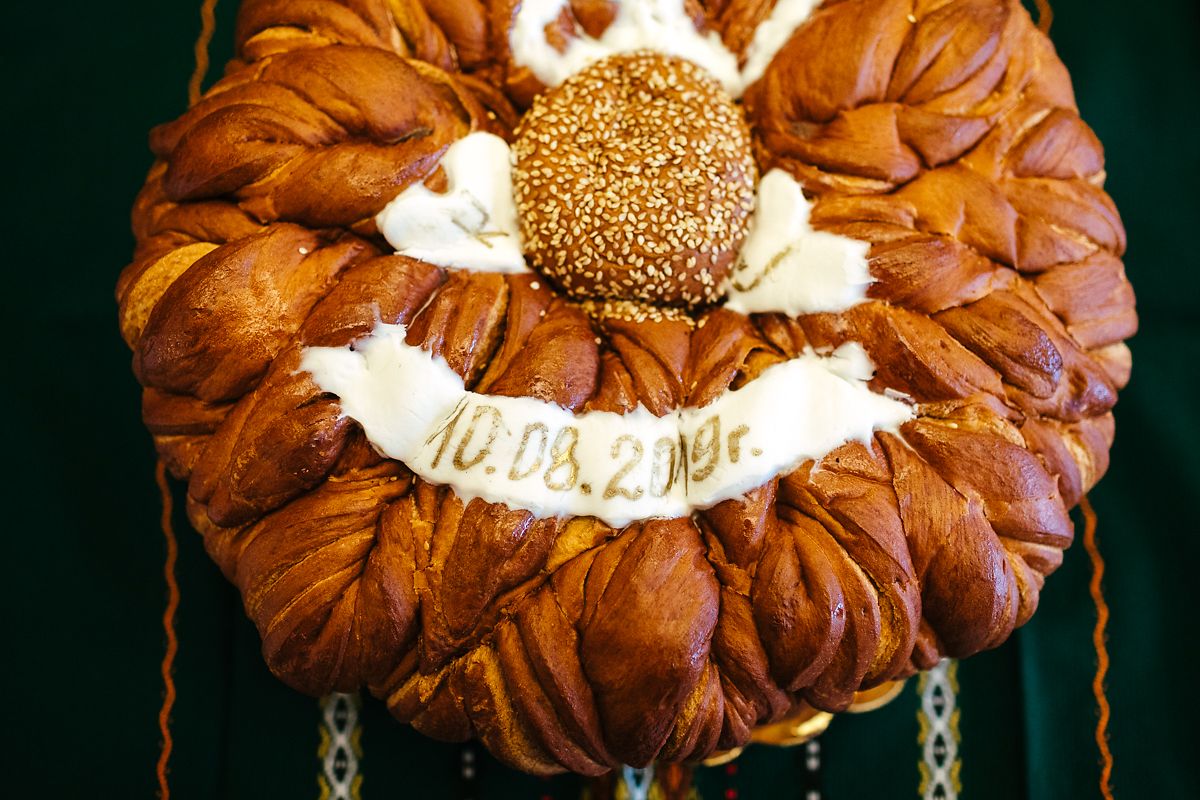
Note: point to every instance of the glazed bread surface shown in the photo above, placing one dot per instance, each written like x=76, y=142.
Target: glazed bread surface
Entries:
x=942, y=132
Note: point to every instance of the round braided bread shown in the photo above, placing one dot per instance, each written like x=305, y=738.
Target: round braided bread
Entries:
x=942, y=132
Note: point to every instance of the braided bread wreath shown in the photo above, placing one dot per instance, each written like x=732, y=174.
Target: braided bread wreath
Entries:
x=524, y=376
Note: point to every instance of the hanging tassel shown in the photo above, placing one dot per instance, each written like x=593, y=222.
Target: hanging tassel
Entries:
x=1098, y=641
x=168, y=621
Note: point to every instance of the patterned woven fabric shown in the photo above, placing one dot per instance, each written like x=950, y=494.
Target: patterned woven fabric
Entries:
x=340, y=748
x=939, y=737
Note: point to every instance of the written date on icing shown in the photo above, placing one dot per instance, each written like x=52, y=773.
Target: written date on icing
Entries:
x=623, y=457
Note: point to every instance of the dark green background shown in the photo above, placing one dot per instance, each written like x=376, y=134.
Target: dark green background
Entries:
x=84, y=552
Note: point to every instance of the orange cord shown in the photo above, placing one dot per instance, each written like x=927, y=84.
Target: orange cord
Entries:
x=208, y=24
x=1045, y=16
x=1098, y=637
x=168, y=662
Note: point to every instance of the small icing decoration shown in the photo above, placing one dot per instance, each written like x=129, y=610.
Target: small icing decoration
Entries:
x=473, y=224
x=787, y=266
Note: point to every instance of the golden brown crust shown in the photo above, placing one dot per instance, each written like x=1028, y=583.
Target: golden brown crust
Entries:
x=943, y=132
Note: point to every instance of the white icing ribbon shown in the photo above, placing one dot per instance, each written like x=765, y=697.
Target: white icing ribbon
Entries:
x=543, y=458
x=787, y=266
x=473, y=224
x=660, y=25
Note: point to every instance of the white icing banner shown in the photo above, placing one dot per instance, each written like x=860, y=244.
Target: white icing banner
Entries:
x=538, y=456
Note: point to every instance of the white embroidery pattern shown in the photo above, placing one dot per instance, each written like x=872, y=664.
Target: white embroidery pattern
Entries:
x=938, y=734
x=340, y=747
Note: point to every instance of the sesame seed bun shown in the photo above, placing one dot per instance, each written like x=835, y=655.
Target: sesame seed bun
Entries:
x=634, y=181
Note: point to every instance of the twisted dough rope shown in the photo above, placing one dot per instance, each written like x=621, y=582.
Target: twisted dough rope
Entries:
x=208, y=24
